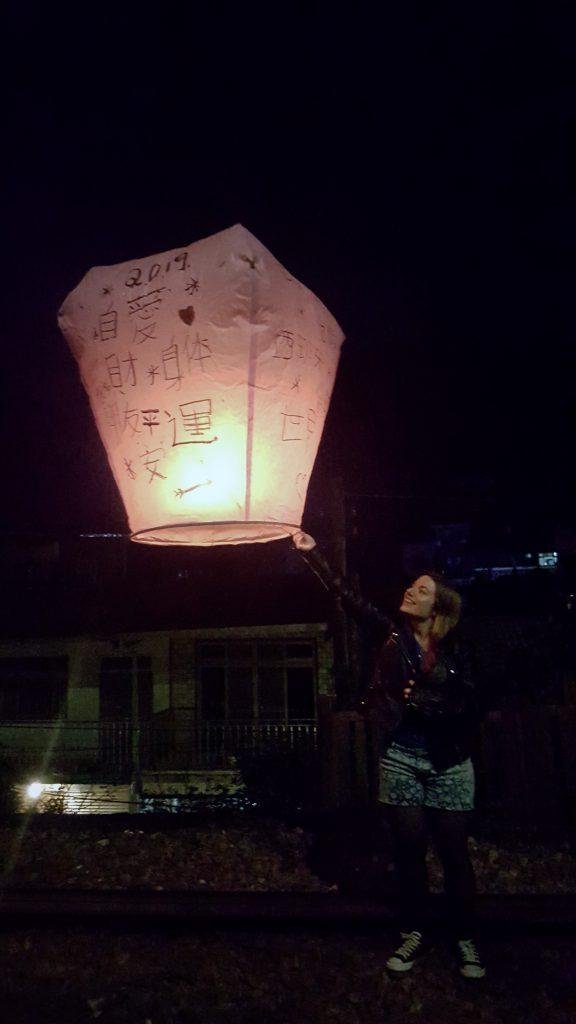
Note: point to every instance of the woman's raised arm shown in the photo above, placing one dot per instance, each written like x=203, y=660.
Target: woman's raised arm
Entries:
x=361, y=609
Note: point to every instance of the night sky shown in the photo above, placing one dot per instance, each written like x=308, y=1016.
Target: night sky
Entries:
x=417, y=171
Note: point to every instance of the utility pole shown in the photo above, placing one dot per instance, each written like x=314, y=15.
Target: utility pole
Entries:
x=136, y=784
x=345, y=630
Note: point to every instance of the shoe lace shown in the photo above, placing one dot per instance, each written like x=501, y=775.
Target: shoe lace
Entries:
x=411, y=943
x=469, y=950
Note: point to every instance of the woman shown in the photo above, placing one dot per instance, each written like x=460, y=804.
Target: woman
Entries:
x=423, y=699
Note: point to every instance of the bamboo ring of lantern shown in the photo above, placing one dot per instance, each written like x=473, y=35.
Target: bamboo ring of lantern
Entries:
x=209, y=370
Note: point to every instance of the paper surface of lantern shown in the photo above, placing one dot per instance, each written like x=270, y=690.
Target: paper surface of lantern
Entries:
x=209, y=371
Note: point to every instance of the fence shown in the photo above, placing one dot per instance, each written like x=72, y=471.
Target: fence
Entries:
x=525, y=763
x=114, y=750
x=525, y=760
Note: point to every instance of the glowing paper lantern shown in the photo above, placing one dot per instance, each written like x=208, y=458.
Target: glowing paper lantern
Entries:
x=209, y=370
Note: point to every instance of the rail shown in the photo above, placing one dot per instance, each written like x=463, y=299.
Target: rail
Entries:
x=114, y=749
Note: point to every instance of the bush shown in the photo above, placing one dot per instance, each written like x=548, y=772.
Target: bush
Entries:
x=217, y=801
x=281, y=779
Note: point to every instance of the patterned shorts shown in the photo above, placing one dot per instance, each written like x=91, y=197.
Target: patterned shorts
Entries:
x=408, y=779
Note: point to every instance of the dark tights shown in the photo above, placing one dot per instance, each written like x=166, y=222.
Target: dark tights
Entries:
x=412, y=827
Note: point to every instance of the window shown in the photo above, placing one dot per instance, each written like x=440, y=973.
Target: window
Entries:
x=116, y=681
x=33, y=689
x=273, y=681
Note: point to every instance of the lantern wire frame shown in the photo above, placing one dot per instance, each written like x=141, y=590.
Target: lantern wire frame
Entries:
x=214, y=533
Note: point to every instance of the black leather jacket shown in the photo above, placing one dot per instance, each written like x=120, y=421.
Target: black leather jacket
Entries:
x=442, y=705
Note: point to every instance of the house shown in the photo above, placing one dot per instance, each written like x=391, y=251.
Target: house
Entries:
x=151, y=669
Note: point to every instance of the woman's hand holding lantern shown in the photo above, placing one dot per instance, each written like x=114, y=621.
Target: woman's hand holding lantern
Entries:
x=303, y=541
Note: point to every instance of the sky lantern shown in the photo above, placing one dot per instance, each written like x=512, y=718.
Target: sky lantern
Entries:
x=209, y=370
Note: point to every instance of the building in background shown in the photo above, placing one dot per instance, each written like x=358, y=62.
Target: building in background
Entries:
x=155, y=668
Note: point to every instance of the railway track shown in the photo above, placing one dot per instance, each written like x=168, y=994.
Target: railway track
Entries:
x=259, y=909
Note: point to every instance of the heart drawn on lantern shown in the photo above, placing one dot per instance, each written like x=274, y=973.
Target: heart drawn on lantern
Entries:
x=232, y=448
x=187, y=315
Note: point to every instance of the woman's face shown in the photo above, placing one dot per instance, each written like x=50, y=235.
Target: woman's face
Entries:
x=419, y=598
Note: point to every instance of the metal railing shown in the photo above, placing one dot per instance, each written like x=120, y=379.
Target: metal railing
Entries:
x=116, y=749
x=220, y=742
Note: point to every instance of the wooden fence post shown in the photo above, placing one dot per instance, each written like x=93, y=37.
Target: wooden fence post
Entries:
x=327, y=752
x=348, y=759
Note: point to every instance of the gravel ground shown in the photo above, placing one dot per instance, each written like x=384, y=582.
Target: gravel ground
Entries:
x=104, y=853
x=234, y=977
x=155, y=975
x=238, y=855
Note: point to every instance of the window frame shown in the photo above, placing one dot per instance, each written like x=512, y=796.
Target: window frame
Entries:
x=145, y=677
x=31, y=665
x=253, y=645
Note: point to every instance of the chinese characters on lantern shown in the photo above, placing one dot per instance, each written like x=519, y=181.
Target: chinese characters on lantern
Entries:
x=209, y=370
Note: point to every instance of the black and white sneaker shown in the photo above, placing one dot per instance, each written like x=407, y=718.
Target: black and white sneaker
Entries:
x=413, y=947
x=469, y=962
